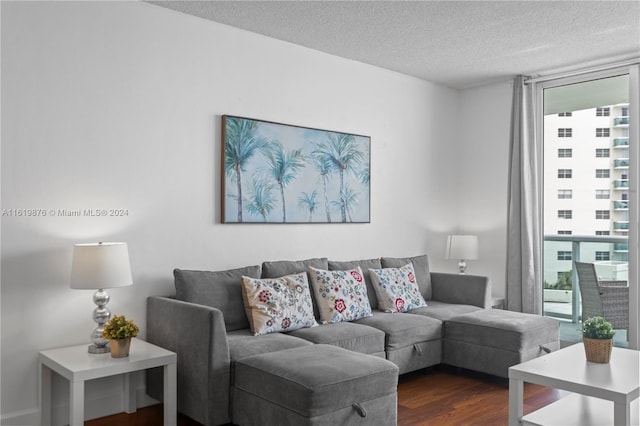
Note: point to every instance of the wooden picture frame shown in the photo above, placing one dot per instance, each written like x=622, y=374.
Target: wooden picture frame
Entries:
x=282, y=173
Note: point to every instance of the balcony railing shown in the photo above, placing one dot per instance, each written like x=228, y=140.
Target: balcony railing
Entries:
x=621, y=226
x=621, y=163
x=621, y=184
x=621, y=247
x=620, y=121
x=584, y=248
x=621, y=142
x=621, y=205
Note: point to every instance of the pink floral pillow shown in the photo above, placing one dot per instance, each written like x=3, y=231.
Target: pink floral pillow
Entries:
x=397, y=289
x=278, y=304
x=340, y=295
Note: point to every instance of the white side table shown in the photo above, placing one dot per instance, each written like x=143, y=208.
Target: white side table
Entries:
x=77, y=365
x=602, y=394
x=497, y=302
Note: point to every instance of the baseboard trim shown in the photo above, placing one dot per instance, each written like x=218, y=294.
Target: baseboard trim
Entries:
x=94, y=408
x=28, y=417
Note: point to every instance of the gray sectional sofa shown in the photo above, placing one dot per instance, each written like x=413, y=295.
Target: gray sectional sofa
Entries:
x=206, y=324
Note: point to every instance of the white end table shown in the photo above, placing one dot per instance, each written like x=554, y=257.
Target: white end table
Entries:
x=602, y=393
x=77, y=365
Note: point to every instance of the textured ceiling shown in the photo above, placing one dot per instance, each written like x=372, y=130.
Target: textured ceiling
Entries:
x=459, y=44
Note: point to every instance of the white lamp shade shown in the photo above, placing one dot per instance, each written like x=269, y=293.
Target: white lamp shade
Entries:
x=100, y=265
x=463, y=247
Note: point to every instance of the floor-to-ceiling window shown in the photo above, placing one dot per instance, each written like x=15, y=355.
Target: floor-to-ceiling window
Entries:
x=588, y=165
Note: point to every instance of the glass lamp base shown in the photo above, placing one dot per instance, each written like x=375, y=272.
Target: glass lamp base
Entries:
x=93, y=349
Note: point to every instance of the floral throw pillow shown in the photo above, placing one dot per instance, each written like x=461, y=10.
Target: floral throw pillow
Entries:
x=397, y=289
x=278, y=304
x=340, y=295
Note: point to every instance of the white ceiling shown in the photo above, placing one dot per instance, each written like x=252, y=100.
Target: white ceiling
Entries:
x=459, y=44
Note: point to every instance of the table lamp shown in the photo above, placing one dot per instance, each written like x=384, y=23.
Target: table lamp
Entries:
x=98, y=266
x=462, y=247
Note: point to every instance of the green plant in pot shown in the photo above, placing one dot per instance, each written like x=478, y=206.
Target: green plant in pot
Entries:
x=597, y=336
x=119, y=331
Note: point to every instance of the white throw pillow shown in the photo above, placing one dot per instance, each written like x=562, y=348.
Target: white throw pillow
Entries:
x=278, y=304
x=340, y=295
x=397, y=289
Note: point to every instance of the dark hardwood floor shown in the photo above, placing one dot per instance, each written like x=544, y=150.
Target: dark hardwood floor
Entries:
x=436, y=396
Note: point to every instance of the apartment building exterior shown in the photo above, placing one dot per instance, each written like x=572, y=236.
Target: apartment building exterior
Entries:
x=586, y=190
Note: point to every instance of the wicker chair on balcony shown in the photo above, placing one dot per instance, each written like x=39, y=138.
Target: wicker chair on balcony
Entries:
x=608, y=299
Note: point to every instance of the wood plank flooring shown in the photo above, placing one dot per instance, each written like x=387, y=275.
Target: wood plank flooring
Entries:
x=437, y=396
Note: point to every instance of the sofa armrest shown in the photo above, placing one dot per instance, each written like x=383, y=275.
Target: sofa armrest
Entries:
x=461, y=289
x=197, y=334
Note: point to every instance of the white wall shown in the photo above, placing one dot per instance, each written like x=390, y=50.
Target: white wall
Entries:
x=117, y=105
x=483, y=168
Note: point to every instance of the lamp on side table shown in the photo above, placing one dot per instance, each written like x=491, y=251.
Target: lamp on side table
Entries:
x=462, y=247
x=98, y=266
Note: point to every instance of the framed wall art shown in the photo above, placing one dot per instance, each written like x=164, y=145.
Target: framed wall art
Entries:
x=281, y=173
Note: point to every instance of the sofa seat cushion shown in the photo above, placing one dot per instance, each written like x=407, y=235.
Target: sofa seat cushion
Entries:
x=318, y=384
x=404, y=329
x=347, y=335
x=242, y=343
x=507, y=330
x=444, y=311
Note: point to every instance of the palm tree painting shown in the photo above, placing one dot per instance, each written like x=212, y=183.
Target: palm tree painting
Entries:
x=279, y=173
x=308, y=203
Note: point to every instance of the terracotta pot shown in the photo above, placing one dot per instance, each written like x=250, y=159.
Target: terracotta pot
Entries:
x=120, y=347
x=598, y=350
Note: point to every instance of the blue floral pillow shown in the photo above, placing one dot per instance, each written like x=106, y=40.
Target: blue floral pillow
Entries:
x=340, y=295
x=278, y=304
x=397, y=289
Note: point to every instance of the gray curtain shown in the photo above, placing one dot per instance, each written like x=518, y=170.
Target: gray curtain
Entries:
x=524, y=270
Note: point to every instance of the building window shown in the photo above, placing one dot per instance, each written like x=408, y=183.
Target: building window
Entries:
x=603, y=255
x=625, y=111
x=602, y=214
x=602, y=153
x=624, y=197
x=565, y=214
x=602, y=173
x=564, y=132
x=603, y=233
x=603, y=112
x=565, y=153
x=564, y=255
x=565, y=194
x=565, y=232
x=602, y=132
x=564, y=173
x=603, y=194
x=564, y=114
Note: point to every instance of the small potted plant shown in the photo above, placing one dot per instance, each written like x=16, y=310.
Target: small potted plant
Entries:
x=597, y=336
x=119, y=331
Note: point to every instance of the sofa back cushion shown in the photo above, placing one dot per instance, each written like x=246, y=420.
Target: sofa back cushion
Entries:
x=281, y=268
x=218, y=289
x=365, y=265
x=420, y=266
